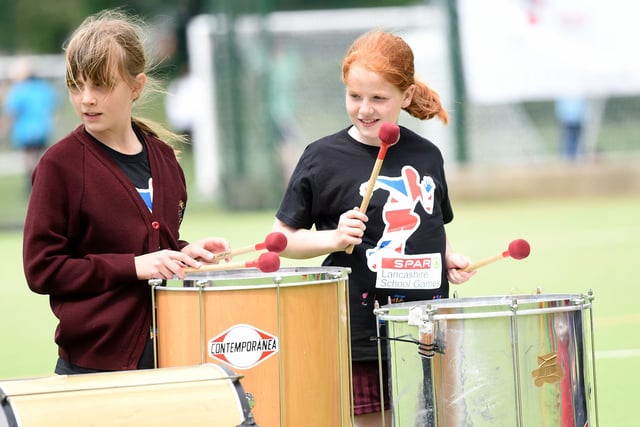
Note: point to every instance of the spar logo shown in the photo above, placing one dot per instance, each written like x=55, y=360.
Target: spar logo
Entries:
x=243, y=346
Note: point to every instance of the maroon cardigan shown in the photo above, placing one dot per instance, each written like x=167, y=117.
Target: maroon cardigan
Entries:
x=85, y=224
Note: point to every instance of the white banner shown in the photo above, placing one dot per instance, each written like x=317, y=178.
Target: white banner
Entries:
x=515, y=50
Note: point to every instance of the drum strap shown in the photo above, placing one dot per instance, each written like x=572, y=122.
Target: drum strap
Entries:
x=8, y=411
x=249, y=421
x=425, y=350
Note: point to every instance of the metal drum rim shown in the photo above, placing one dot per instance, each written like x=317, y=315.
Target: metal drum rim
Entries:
x=337, y=274
x=285, y=271
x=493, y=306
x=489, y=300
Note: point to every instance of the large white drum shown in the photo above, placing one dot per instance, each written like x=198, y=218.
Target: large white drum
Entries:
x=517, y=360
x=286, y=333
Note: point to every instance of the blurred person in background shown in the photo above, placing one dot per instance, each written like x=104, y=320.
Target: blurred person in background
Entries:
x=407, y=213
x=181, y=102
x=29, y=114
x=571, y=112
x=283, y=71
x=106, y=207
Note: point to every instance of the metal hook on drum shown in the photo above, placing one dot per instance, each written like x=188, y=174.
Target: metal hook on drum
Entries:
x=426, y=328
x=428, y=344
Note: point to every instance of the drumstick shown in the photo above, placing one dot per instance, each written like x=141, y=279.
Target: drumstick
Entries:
x=267, y=262
x=389, y=134
x=518, y=249
x=274, y=242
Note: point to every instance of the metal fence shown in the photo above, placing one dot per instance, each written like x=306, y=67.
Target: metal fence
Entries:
x=275, y=87
x=270, y=85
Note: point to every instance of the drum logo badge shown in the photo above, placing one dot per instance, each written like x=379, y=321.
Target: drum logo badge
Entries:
x=243, y=346
x=548, y=371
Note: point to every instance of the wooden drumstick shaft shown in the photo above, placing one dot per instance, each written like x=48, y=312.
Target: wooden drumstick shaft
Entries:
x=238, y=251
x=482, y=263
x=518, y=249
x=274, y=242
x=267, y=262
x=389, y=134
x=372, y=182
x=367, y=196
x=220, y=267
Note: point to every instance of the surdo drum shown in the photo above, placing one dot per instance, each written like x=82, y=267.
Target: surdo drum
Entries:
x=518, y=360
x=286, y=333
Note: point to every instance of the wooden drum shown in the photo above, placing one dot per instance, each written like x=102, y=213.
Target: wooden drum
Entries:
x=286, y=333
x=201, y=395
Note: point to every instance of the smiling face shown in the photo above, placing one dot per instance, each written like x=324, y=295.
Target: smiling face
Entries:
x=371, y=101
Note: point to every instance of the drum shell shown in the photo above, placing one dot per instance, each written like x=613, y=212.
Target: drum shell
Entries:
x=307, y=381
x=202, y=395
x=499, y=361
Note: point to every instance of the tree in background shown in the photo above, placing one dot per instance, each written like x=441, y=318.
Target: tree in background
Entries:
x=41, y=27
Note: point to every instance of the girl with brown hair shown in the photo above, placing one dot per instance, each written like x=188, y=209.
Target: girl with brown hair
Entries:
x=106, y=207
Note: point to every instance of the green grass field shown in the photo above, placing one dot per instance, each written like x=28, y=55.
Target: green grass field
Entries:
x=577, y=245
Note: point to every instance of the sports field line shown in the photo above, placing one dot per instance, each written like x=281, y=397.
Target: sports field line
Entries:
x=618, y=354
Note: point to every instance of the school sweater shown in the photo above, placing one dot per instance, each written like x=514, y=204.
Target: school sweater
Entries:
x=85, y=224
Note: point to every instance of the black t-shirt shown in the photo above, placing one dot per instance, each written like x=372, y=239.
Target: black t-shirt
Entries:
x=136, y=167
x=402, y=254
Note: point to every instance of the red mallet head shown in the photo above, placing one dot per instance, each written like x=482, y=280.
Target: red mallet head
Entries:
x=267, y=262
x=519, y=249
x=275, y=242
x=389, y=133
